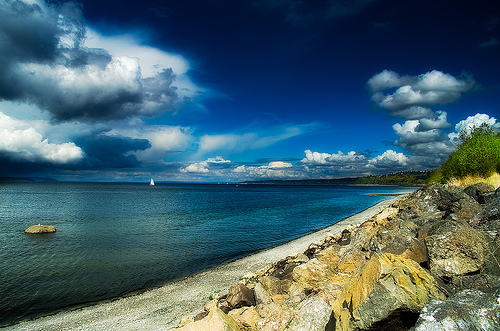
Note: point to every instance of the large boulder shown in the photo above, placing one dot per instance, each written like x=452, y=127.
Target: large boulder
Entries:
x=453, y=200
x=35, y=229
x=481, y=282
x=387, y=290
x=456, y=249
x=481, y=192
x=400, y=241
x=468, y=310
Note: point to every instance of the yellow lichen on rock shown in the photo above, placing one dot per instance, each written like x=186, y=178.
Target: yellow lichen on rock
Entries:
x=384, y=284
x=40, y=229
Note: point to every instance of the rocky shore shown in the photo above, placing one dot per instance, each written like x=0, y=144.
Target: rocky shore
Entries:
x=429, y=261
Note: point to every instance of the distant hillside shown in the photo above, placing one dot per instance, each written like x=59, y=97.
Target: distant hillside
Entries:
x=406, y=178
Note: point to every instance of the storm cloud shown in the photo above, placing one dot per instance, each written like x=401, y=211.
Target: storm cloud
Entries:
x=45, y=62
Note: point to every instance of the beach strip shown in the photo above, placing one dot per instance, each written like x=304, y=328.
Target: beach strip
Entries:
x=162, y=308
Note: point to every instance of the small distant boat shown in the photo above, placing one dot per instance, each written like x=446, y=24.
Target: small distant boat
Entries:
x=152, y=182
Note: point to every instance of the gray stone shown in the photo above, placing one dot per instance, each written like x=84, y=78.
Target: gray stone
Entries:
x=480, y=192
x=455, y=201
x=481, y=282
x=454, y=249
x=492, y=210
x=468, y=310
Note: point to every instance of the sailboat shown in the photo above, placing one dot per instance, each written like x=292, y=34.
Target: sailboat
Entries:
x=152, y=182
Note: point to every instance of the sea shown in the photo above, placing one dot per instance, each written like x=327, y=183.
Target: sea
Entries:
x=113, y=239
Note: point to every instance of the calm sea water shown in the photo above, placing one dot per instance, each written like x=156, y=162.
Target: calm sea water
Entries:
x=115, y=238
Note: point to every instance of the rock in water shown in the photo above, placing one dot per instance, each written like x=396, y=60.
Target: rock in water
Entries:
x=40, y=229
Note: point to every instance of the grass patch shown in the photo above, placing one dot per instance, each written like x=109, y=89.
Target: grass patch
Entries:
x=493, y=180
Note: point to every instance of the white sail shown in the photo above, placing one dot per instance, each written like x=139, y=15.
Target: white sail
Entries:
x=152, y=182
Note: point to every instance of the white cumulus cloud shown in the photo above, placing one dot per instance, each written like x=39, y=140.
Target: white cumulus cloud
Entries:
x=22, y=142
x=413, y=92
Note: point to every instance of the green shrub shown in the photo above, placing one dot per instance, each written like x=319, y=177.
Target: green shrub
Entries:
x=477, y=155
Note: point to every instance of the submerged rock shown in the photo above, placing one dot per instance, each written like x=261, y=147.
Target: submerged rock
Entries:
x=40, y=229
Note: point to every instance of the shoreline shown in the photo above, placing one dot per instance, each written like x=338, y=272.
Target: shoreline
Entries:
x=162, y=308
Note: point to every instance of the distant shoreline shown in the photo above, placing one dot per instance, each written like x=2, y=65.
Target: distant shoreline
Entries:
x=161, y=308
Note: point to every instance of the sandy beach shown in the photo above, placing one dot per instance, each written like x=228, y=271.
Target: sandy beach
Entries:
x=162, y=308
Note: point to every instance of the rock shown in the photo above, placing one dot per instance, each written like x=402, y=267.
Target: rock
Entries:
x=246, y=317
x=40, y=229
x=276, y=316
x=386, y=290
x=468, y=310
x=330, y=255
x=481, y=282
x=262, y=296
x=296, y=294
x=312, y=315
x=489, y=219
x=223, y=305
x=492, y=210
x=311, y=274
x=349, y=263
x=400, y=241
x=346, y=238
x=455, y=249
x=283, y=269
x=216, y=320
x=240, y=296
x=301, y=258
x=201, y=316
x=480, y=192
x=271, y=284
x=454, y=200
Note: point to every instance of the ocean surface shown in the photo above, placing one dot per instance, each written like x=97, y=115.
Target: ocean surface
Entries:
x=117, y=238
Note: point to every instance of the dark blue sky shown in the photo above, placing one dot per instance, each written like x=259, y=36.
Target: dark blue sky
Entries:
x=221, y=90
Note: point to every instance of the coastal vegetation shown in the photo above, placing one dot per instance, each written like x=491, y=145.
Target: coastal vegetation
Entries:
x=477, y=159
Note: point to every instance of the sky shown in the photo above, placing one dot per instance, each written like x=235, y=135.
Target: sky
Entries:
x=229, y=91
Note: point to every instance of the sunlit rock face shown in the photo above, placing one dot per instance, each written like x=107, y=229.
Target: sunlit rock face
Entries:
x=35, y=229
